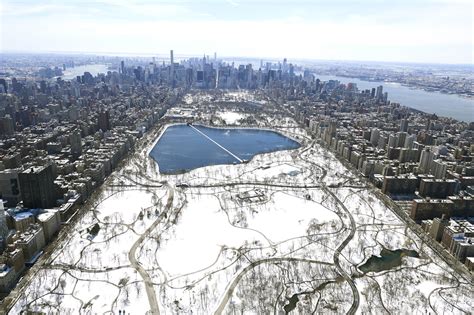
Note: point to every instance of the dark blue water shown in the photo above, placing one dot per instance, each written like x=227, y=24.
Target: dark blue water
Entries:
x=181, y=148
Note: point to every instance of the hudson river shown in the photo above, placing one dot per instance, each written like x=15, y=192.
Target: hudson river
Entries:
x=94, y=69
x=447, y=105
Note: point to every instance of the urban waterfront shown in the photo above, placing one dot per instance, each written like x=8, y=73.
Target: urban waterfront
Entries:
x=182, y=147
x=446, y=105
x=135, y=225
x=94, y=69
x=153, y=161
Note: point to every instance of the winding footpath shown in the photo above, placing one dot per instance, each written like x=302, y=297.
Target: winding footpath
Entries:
x=337, y=253
x=231, y=287
x=150, y=290
x=350, y=236
x=355, y=293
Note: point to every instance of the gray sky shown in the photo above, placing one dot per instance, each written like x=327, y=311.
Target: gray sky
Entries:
x=437, y=31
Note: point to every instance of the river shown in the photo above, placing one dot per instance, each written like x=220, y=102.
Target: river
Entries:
x=94, y=69
x=446, y=105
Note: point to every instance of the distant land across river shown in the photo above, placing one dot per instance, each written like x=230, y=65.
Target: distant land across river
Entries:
x=447, y=105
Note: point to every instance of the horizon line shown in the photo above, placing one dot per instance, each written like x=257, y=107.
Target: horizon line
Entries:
x=144, y=55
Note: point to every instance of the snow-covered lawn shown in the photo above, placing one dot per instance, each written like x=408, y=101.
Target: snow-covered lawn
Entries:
x=272, y=235
x=231, y=118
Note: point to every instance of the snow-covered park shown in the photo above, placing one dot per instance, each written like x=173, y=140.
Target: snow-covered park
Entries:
x=284, y=233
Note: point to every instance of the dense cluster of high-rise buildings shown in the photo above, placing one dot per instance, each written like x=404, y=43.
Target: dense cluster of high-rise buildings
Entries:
x=210, y=73
x=422, y=162
x=60, y=139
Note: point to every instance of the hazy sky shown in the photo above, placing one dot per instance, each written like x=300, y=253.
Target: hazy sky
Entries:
x=439, y=31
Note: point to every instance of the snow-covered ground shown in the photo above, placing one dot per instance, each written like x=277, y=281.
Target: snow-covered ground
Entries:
x=285, y=232
x=231, y=118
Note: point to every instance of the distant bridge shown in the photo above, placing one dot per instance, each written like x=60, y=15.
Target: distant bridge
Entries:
x=220, y=146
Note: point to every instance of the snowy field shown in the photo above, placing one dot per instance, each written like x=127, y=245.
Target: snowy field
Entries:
x=284, y=233
x=231, y=118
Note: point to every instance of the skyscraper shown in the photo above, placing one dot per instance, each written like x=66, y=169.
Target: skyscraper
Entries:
x=76, y=144
x=3, y=86
x=401, y=137
x=10, y=187
x=379, y=93
x=104, y=120
x=392, y=141
x=171, y=82
x=374, y=136
x=3, y=224
x=37, y=187
x=333, y=127
x=425, y=161
x=285, y=66
x=409, y=141
x=404, y=125
x=438, y=169
x=7, y=126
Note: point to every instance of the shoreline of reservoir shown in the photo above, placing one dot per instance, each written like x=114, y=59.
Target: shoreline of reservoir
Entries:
x=253, y=148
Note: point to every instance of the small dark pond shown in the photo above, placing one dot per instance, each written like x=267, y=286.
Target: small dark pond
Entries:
x=388, y=259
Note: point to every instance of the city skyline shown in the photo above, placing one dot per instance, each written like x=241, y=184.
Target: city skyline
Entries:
x=236, y=157
x=420, y=32
x=210, y=187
